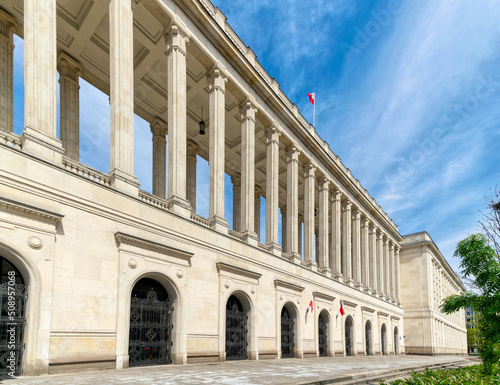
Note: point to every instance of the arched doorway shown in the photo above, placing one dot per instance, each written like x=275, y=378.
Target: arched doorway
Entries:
x=368, y=338
x=13, y=302
x=396, y=340
x=236, y=330
x=287, y=333
x=349, y=337
x=151, y=324
x=383, y=340
x=323, y=334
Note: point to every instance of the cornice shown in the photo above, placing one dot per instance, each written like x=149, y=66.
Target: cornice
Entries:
x=224, y=267
x=28, y=211
x=349, y=303
x=288, y=285
x=326, y=297
x=367, y=309
x=382, y=314
x=126, y=239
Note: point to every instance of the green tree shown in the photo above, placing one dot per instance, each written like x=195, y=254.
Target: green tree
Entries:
x=480, y=264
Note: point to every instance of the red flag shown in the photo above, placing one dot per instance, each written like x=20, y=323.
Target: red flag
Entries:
x=342, y=308
x=311, y=304
x=312, y=97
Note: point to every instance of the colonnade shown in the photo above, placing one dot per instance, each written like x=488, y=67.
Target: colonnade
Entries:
x=341, y=239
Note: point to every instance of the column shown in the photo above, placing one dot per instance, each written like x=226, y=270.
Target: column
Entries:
x=7, y=28
x=398, y=276
x=192, y=151
x=356, y=248
x=40, y=81
x=258, y=193
x=365, y=254
x=248, y=172
x=69, y=75
x=309, y=192
x=176, y=88
x=292, y=202
x=336, y=262
x=346, y=243
x=272, y=189
x=299, y=232
x=323, y=249
x=373, y=259
x=216, y=133
x=159, y=131
x=380, y=260
x=386, y=268
x=283, y=229
x=236, y=181
x=392, y=276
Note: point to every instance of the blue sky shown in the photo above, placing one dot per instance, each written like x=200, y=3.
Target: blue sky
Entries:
x=407, y=95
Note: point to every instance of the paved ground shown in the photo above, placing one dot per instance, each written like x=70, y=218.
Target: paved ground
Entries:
x=271, y=372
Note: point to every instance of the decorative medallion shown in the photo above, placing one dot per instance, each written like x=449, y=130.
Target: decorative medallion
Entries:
x=226, y=285
x=180, y=273
x=298, y=300
x=132, y=263
x=281, y=297
x=252, y=290
x=35, y=243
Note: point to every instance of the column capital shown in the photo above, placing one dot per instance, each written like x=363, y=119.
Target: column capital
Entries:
x=248, y=110
x=385, y=239
x=391, y=245
x=356, y=214
x=176, y=39
x=380, y=234
x=216, y=80
x=236, y=180
x=159, y=128
x=310, y=170
x=324, y=183
x=373, y=228
x=365, y=222
x=347, y=205
x=68, y=67
x=8, y=23
x=273, y=133
x=292, y=153
x=336, y=196
x=192, y=148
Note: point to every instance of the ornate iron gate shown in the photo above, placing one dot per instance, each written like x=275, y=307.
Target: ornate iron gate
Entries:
x=323, y=337
x=348, y=337
x=287, y=334
x=150, y=338
x=383, y=340
x=368, y=337
x=236, y=330
x=13, y=299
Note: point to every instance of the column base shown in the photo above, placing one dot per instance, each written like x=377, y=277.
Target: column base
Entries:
x=124, y=182
x=349, y=281
x=250, y=237
x=42, y=145
x=359, y=286
x=219, y=224
x=368, y=290
x=274, y=248
x=179, y=206
x=338, y=277
x=253, y=355
x=293, y=256
x=36, y=367
x=325, y=271
x=381, y=296
x=310, y=265
x=122, y=362
x=179, y=358
x=376, y=294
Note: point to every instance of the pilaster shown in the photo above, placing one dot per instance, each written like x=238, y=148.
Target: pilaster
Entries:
x=392, y=275
x=40, y=81
x=365, y=255
x=380, y=260
x=299, y=233
x=8, y=26
x=292, y=203
x=236, y=181
x=323, y=248
x=283, y=230
x=336, y=263
x=347, y=244
x=398, y=276
x=176, y=87
x=192, y=152
x=258, y=193
x=309, y=205
x=373, y=259
x=387, y=272
x=159, y=131
x=217, y=95
x=356, y=248
x=272, y=189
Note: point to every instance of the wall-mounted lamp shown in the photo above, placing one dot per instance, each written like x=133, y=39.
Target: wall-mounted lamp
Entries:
x=202, y=123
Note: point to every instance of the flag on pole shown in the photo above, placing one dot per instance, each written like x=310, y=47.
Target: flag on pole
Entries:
x=312, y=99
x=311, y=304
x=312, y=96
x=342, y=308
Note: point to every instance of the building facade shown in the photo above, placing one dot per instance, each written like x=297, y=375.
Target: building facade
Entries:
x=426, y=280
x=106, y=275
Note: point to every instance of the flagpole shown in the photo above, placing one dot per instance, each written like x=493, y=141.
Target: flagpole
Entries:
x=314, y=111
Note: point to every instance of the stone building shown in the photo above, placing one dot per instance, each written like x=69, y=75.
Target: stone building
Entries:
x=107, y=275
x=426, y=280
